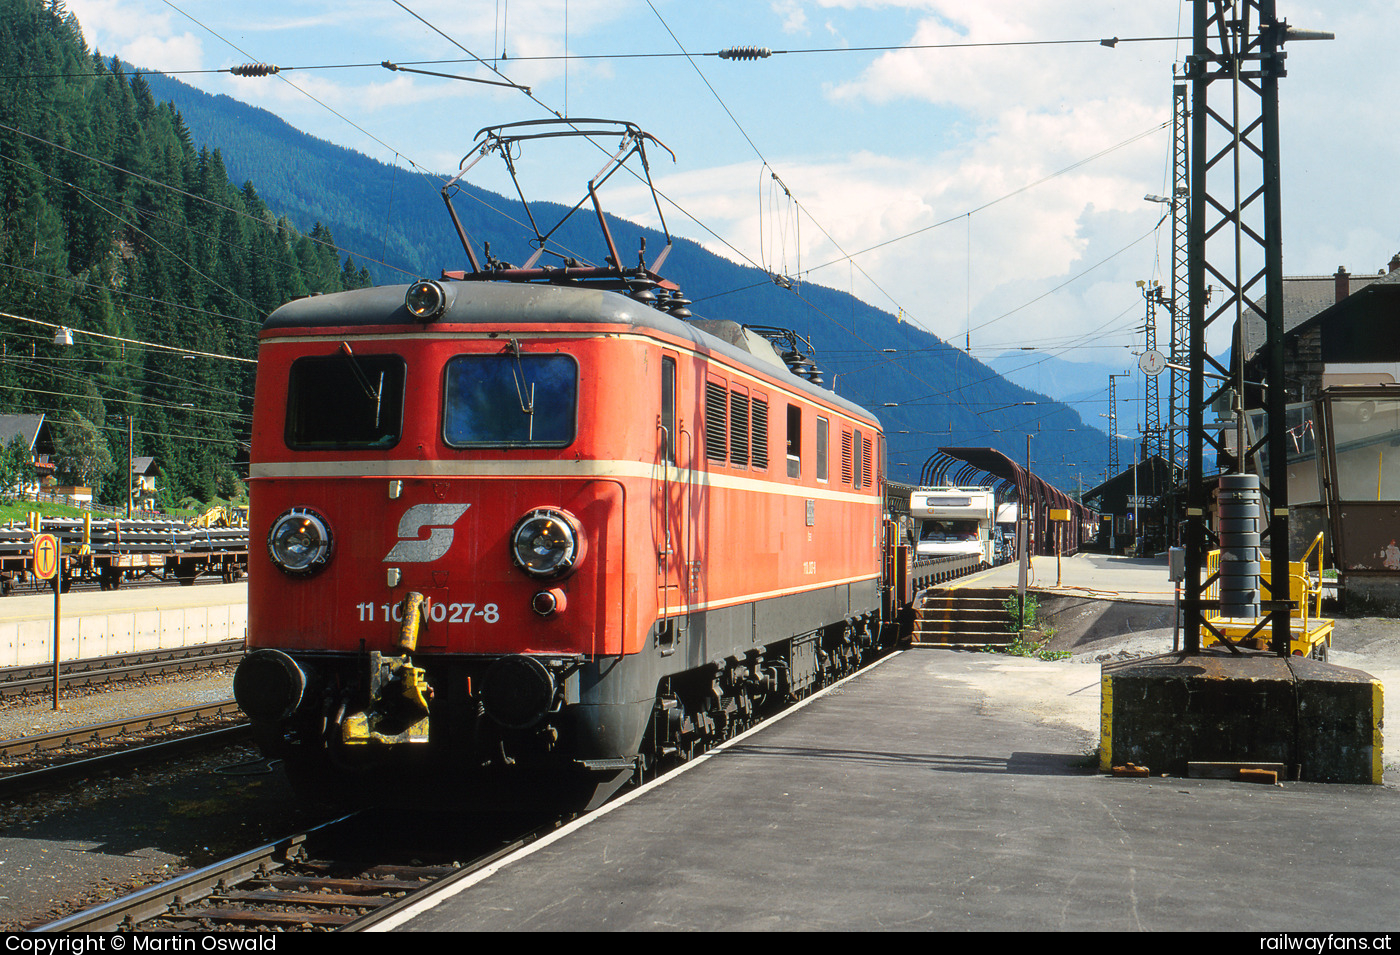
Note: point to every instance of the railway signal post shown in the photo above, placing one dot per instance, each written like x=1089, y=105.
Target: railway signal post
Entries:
x=48, y=565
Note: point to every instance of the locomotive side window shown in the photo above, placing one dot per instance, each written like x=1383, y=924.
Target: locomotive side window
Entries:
x=510, y=400
x=794, y=441
x=668, y=407
x=823, y=428
x=860, y=460
x=345, y=401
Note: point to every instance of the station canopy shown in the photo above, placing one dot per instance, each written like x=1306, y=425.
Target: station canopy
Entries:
x=966, y=467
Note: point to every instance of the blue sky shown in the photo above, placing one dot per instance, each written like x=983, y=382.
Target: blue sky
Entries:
x=950, y=160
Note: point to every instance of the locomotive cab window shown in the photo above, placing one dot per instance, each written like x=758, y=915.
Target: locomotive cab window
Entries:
x=345, y=400
x=510, y=400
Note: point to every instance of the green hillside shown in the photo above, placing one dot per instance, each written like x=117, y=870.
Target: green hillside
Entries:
x=115, y=224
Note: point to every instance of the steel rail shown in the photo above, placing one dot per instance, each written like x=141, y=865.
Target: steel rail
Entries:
x=371, y=919
x=156, y=900
x=274, y=863
x=19, y=680
x=99, y=731
x=50, y=777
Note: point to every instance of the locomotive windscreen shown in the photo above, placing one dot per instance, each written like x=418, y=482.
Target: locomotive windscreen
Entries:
x=345, y=401
x=510, y=400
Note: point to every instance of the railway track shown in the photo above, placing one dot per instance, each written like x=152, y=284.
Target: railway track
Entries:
x=59, y=770
x=345, y=875
x=17, y=681
x=323, y=879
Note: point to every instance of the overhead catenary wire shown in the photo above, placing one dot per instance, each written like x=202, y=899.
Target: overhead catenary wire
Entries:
x=736, y=53
x=129, y=341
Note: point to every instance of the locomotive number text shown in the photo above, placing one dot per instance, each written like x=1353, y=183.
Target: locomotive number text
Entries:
x=437, y=612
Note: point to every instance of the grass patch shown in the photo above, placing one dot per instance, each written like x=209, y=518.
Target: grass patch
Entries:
x=1032, y=637
x=17, y=512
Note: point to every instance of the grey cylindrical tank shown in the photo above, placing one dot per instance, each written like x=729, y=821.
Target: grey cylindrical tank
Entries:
x=1239, y=545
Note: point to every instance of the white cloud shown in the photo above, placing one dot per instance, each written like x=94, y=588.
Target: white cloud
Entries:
x=174, y=54
x=794, y=17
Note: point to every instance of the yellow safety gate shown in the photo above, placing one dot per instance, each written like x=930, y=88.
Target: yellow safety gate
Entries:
x=1311, y=632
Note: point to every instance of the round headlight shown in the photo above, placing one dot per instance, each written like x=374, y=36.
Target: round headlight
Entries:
x=299, y=542
x=425, y=300
x=546, y=543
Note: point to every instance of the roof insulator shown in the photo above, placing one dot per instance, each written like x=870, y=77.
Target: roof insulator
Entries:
x=745, y=53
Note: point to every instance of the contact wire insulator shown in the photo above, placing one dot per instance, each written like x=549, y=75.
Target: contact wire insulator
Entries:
x=745, y=53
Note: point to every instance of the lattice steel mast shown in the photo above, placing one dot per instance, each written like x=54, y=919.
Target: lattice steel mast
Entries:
x=1179, y=350
x=1235, y=240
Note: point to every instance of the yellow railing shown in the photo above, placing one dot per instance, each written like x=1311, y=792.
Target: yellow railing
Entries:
x=1312, y=633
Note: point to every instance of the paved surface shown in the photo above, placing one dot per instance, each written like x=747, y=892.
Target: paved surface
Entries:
x=1104, y=576
x=908, y=798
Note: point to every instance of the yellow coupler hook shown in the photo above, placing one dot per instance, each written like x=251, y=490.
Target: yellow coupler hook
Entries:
x=414, y=608
x=399, y=691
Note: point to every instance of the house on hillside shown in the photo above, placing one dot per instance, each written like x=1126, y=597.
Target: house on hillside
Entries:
x=34, y=431
x=1342, y=385
x=143, y=483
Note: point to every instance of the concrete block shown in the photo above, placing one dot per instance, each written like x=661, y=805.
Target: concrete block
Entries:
x=1321, y=721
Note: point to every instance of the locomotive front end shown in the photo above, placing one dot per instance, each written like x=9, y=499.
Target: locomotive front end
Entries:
x=443, y=563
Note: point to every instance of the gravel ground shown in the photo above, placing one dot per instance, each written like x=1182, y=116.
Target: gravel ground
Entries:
x=86, y=843
x=88, y=705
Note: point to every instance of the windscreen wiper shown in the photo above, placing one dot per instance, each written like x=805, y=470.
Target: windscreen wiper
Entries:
x=374, y=394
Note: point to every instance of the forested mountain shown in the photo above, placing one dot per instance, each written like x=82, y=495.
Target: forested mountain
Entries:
x=97, y=238
x=115, y=224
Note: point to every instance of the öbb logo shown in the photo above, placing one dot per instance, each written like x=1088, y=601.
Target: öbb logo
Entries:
x=412, y=547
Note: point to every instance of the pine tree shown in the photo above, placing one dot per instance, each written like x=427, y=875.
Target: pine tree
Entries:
x=114, y=221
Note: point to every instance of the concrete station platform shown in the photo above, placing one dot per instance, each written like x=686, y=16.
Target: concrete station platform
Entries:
x=1104, y=576
x=103, y=623
x=908, y=798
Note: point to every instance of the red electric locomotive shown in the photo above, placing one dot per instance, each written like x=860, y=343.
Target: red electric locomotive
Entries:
x=534, y=530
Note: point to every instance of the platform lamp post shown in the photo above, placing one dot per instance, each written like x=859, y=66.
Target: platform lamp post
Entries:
x=130, y=462
x=1026, y=506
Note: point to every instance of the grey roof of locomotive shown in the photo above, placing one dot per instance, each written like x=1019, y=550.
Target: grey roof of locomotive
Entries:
x=527, y=304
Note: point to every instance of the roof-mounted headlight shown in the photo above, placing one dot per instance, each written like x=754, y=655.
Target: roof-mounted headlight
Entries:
x=546, y=543
x=299, y=542
x=425, y=300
